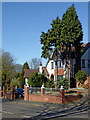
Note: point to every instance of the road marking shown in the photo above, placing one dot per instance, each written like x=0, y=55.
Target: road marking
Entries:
x=7, y=112
x=26, y=116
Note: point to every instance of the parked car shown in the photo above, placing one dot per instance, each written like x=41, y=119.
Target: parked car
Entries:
x=19, y=92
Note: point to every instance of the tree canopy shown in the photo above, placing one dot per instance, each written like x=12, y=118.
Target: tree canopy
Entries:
x=25, y=66
x=63, y=35
x=51, y=39
x=81, y=76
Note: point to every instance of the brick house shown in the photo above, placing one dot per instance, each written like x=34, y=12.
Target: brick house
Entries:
x=27, y=73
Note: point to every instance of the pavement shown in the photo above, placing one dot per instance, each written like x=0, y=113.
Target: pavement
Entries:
x=43, y=111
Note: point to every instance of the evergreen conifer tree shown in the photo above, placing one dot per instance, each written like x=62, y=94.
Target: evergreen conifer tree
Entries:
x=71, y=35
x=51, y=40
x=25, y=66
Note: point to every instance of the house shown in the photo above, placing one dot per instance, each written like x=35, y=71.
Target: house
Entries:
x=50, y=70
x=27, y=73
x=85, y=58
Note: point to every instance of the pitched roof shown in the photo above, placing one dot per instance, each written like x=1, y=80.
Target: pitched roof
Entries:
x=86, y=46
x=27, y=72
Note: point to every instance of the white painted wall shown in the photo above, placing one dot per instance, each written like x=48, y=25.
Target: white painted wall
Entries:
x=51, y=71
x=64, y=66
x=40, y=70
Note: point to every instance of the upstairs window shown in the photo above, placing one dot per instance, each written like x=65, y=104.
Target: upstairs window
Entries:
x=52, y=65
x=83, y=63
x=59, y=64
x=88, y=63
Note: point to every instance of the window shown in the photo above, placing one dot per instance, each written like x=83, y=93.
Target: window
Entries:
x=52, y=65
x=88, y=63
x=60, y=76
x=83, y=63
x=59, y=64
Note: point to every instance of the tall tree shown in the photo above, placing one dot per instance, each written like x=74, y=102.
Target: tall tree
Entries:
x=71, y=35
x=51, y=40
x=34, y=63
x=8, y=69
x=25, y=66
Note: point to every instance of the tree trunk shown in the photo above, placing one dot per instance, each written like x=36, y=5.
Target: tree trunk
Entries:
x=56, y=68
x=66, y=62
x=68, y=57
x=69, y=66
x=78, y=61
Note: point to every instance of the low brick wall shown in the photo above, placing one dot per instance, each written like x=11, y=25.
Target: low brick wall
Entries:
x=9, y=95
x=52, y=98
x=49, y=98
x=45, y=98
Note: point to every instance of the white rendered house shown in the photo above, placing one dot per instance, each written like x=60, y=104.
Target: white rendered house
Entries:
x=50, y=66
x=50, y=69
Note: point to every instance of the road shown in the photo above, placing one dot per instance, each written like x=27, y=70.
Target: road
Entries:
x=43, y=111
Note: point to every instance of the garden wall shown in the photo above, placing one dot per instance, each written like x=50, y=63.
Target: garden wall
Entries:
x=48, y=98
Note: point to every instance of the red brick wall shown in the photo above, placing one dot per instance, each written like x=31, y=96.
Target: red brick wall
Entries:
x=48, y=98
x=60, y=72
x=45, y=98
x=26, y=95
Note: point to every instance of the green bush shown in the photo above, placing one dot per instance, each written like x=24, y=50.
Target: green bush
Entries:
x=36, y=80
x=85, y=86
x=81, y=76
x=64, y=82
x=50, y=84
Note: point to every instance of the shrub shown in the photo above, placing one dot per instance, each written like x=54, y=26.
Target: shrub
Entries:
x=85, y=86
x=36, y=80
x=64, y=82
x=50, y=84
x=81, y=76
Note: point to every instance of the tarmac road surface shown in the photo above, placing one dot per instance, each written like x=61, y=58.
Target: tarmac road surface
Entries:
x=43, y=111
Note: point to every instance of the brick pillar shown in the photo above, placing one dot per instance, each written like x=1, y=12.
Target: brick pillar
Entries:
x=26, y=94
x=4, y=91
x=62, y=94
x=42, y=90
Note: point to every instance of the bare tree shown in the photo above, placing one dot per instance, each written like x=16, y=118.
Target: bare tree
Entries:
x=34, y=63
x=18, y=67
